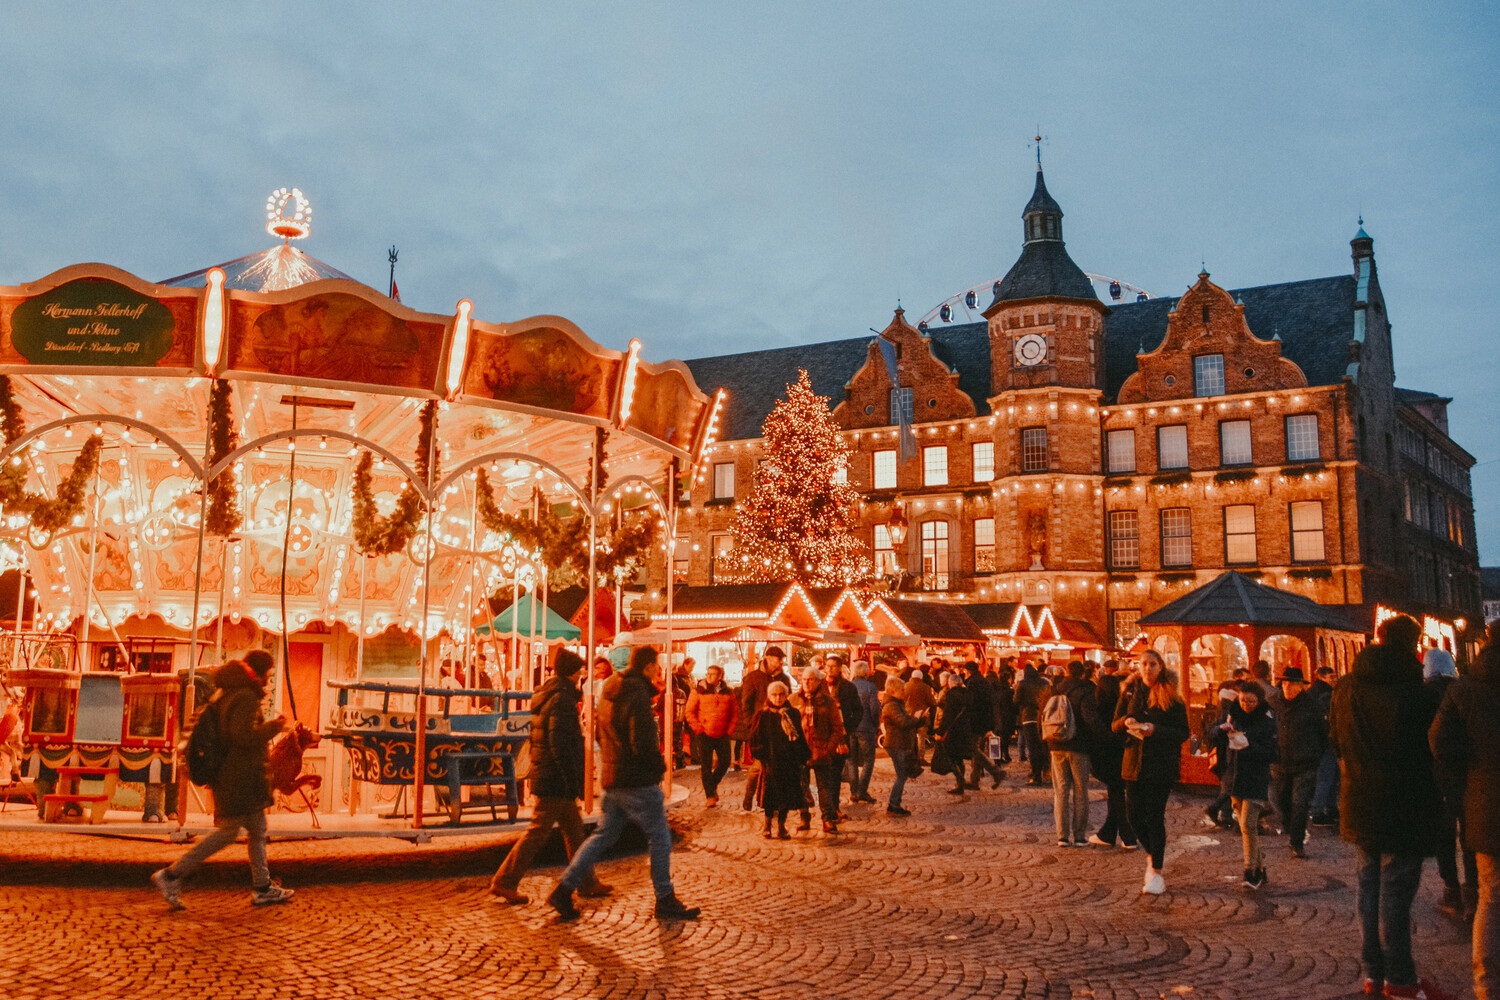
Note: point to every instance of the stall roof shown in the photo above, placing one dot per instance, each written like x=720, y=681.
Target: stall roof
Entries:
x=1236, y=599
x=933, y=620
x=1080, y=633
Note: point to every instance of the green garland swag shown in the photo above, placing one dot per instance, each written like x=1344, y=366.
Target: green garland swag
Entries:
x=224, y=517
x=381, y=536
x=47, y=515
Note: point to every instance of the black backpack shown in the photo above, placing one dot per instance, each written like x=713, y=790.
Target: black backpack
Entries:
x=205, y=750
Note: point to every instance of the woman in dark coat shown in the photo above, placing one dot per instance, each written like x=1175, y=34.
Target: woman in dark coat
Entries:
x=1250, y=736
x=953, y=729
x=900, y=728
x=778, y=743
x=1154, y=718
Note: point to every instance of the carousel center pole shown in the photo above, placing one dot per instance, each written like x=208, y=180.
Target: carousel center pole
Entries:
x=88, y=597
x=420, y=757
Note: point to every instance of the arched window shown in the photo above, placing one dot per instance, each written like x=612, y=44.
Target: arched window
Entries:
x=934, y=536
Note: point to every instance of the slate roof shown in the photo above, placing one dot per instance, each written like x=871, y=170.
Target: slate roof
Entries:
x=935, y=621
x=1044, y=268
x=1407, y=397
x=1234, y=598
x=742, y=598
x=1314, y=318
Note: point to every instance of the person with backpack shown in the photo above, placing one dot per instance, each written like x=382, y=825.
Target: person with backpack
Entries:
x=1069, y=719
x=227, y=752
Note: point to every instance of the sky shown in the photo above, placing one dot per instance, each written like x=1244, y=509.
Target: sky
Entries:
x=716, y=177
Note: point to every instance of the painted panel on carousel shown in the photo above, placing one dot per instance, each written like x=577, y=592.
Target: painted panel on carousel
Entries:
x=665, y=405
x=333, y=337
x=545, y=366
x=95, y=318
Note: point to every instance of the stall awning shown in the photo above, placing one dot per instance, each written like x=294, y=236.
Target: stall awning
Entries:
x=549, y=625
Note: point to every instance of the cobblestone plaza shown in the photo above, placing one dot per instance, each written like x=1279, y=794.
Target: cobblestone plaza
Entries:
x=966, y=898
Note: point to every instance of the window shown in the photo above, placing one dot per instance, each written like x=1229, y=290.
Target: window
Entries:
x=984, y=461
x=901, y=406
x=885, y=554
x=1034, y=449
x=984, y=545
x=723, y=480
x=1234, y=443
x=682, y=553
x=1121, y=448
x=1239, y=534
x=1208, y=375
x=841, y=475
x=1302, y=437
x=1124, y=540
x=935, y=465
x=1307, y=531
x=885, y=469
x=935, y=555
x=1171, y=447
x=1125, y=626
x=1177, y=537
x=718, y=562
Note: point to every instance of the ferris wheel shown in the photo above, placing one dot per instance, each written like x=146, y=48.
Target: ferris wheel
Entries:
x=968, y=305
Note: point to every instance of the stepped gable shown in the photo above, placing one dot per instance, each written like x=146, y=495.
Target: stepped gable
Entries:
x=936, y=393
x=755, y=380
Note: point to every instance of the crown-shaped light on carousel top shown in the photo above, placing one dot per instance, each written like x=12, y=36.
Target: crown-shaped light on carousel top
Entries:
x=278, y=223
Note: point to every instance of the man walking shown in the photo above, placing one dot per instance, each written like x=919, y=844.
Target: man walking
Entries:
x=981, y=724
x=823, y=728
x=852, y=709
x=556, y=779
x=1032, y=690
x=632, y=773
x=863, y=738
x=242, y=792
x=1389, y=808
x=752, y=703
x=1109, y=754
x=1301, y=739
x=712, y=711
x=1468, y=756
x=1325, y=803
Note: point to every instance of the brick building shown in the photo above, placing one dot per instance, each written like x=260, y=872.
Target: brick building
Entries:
x=1107, y=459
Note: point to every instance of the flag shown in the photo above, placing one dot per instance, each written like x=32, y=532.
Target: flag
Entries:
x=906, y=437
x=395, y=291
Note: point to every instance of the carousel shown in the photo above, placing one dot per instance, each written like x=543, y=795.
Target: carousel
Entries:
x=267, y=454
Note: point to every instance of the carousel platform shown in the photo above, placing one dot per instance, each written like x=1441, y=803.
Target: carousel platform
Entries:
x=288, y=826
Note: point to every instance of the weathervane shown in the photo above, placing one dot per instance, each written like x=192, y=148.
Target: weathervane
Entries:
x=278, y=224
x=1037, y=141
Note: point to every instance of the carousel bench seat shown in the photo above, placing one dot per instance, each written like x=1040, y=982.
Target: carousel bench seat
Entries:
x=480, y=772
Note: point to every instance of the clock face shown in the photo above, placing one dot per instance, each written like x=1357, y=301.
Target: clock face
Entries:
x=1031, y=349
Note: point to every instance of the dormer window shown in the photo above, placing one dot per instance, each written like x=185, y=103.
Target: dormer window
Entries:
x=1208, y=374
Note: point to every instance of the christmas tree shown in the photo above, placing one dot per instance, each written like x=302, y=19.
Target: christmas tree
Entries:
x=798, y=523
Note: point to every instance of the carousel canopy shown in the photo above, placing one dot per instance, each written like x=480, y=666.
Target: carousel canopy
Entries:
x=320, y=370
x=1236, y=599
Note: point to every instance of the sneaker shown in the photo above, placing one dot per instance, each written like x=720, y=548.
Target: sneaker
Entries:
x=897, y=811
x=1421, y=991
x=509, y=897
x=169, y=886
x=712, y=802
x=596, y=891
x=996, y=785
x=1155, y=884
x=1099, y=841
x=270, y=895
x=1128, y=847
x=561, y=900
x=1255, y=878
x=1298, y=851
x=1063, y=842
x=671, y=908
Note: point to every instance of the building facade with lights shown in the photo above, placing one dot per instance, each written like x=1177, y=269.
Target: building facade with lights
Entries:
x=1107, y=459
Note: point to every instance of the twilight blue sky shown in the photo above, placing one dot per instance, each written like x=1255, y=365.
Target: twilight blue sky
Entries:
x=714, y=177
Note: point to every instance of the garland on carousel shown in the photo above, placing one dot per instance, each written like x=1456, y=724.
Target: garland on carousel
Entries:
x=47, y=515
x=224, y=516
x=375, y=535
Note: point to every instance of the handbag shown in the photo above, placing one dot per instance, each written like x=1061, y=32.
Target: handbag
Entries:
x=942, y=762
x=913, y=767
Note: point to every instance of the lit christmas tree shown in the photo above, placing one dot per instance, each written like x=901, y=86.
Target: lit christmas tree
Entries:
x=798, y=524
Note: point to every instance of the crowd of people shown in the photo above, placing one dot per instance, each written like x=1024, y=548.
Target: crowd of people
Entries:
x=1415, y=766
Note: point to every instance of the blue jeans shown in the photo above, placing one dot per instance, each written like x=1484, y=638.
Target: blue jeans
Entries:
x=862, y=758
x=901, y=761
x=1325, y=801
x=225, y=833
x=1033, y=749
x=646, y=808
x=1386, y=890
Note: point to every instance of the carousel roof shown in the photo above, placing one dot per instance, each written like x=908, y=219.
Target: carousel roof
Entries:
x=1236, y=599
x=272, y=270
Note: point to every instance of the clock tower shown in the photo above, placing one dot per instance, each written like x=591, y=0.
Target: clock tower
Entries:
x=1046, y=331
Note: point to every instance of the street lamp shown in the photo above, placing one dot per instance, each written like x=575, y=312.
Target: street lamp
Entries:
x=897, y=528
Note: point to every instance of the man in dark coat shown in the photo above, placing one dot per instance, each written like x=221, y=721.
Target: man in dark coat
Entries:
x=1003, y=700
x=632, y=770
x=242, y=792
x=1325, y=803
x=556, y=779
x=981, y=723
x=1032, y=691
x=1301, y=740
x=952, y=729
x=1389, y=807
x=852, y=710
x=1109, y=749
x=752, y=703
x=1468, y=755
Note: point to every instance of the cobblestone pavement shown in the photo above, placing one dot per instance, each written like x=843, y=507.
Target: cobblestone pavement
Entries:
x=965, y=898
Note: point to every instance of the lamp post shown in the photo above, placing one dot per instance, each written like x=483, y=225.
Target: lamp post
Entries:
x=897, y=528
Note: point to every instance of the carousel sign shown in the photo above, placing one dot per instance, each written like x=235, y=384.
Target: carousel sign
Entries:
x=92, y=322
